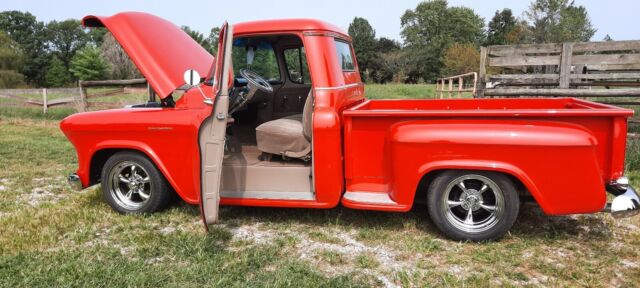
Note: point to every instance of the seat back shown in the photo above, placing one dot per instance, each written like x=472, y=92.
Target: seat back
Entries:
x=307, y=117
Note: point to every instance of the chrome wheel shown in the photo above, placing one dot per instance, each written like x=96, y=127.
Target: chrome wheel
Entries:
x=130, y=185
x=473, y=203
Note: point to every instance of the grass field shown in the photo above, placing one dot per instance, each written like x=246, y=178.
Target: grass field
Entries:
x=53, y=236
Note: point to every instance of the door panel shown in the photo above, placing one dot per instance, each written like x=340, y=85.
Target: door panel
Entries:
x=213, y=131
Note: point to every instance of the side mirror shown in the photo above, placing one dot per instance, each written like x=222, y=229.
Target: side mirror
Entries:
x=192, y=77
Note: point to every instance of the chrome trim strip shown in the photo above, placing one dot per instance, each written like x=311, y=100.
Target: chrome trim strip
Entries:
x=270, y=195
x=380, y=198
x=339, y=87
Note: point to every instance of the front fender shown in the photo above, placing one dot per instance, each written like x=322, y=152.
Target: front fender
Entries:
x=143, y=148
x=556, y=162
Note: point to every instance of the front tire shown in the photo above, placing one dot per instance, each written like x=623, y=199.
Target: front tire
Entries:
x=131, y=183
x=473, y=205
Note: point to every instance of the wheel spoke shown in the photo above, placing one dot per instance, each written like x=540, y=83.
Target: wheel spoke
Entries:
x=461, y=185
x=142, y=194
x=133, y=170
x=469, y=219
x=145, y=180
x=484, y=188
x=453, y=203
x=489, y=208
x=123, y=179
x=129, y=193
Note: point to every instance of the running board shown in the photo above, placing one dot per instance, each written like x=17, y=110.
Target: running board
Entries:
x=269, y=195
x=372, y=201
x=378, y=198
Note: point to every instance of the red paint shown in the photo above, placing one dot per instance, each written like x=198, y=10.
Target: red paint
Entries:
x=160, y=49
x=563, y=150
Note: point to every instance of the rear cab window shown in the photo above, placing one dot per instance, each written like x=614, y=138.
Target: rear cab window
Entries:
x=345, y=55
x=296, y=61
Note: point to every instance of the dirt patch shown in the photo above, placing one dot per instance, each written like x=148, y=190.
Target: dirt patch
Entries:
x=42, y=195
x=310, y=250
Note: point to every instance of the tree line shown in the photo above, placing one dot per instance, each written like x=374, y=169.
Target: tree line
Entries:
x=437, y=39
x=441, y=40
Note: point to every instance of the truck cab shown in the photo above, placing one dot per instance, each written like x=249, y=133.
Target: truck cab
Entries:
x=279, y=118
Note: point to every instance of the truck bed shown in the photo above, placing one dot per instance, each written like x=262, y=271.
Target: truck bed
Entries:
x=535, y=134
x=486, y=107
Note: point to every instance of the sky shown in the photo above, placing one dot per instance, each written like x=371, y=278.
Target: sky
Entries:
x=618, y=18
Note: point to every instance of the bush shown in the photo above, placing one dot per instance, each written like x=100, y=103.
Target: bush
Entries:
x=460, y=59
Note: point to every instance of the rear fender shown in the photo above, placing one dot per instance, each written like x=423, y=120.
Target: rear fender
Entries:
x=556, y=162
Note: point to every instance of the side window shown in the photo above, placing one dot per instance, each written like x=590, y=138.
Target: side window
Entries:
x=345, y=55
x=296, y=61
x=264, y=62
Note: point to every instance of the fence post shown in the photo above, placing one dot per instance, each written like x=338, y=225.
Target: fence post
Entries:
x=483, y=72
x=450, y=87
x=83, y=97
x=565, y=65
x=460, y=85
x=44, y=100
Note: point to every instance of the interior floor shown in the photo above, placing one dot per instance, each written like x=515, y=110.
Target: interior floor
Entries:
x=249, y=173
x=249, y=155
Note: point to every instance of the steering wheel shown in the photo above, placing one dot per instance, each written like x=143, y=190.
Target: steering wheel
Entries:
x=256, y=80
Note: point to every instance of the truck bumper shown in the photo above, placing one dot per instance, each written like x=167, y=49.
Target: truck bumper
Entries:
x=74, y=182
x=624, y=205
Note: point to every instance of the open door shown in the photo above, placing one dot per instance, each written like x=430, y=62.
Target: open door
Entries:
x=213, y=131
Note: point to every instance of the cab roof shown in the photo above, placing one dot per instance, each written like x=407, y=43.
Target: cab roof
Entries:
x=284, y=25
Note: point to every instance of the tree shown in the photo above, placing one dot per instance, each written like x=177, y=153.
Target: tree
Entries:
x=386, y=45
x=57, y=74
x=460, y=59
x=29, y=34
x=121, y=65
x=431, y=28
x=88, y=64
x=96, y=35
x=11, y=61
x=66, y=38
x=209, y=43
x=383, y=68
x=502, y=23
x=364, y=44
x=559, y=21
x=214, y=38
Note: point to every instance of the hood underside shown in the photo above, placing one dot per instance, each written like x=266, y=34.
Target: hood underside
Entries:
x=161, y=50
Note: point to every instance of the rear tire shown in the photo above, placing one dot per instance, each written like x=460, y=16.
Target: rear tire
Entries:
x=473, y=205
x=131, y=183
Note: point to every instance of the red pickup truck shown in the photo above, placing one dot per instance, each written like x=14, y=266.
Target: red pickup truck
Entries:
x=279, y=118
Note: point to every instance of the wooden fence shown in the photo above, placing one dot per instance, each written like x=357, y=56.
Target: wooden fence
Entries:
x=457, y=84
x=39, y=97
x=122, y=87
x=584, y=69
x=80, y=98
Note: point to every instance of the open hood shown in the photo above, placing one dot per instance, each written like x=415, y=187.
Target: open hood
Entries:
x=160, y=49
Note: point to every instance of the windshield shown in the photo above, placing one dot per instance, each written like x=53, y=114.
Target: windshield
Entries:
x=263, y=62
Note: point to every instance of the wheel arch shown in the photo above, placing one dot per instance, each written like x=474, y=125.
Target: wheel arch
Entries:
x=520, y=179
x=103, y=152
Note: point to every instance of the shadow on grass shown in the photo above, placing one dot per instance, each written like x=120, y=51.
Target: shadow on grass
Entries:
x=532, y=223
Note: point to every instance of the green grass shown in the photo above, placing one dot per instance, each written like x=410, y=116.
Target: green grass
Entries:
x=53, y=236
x=399, y=91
